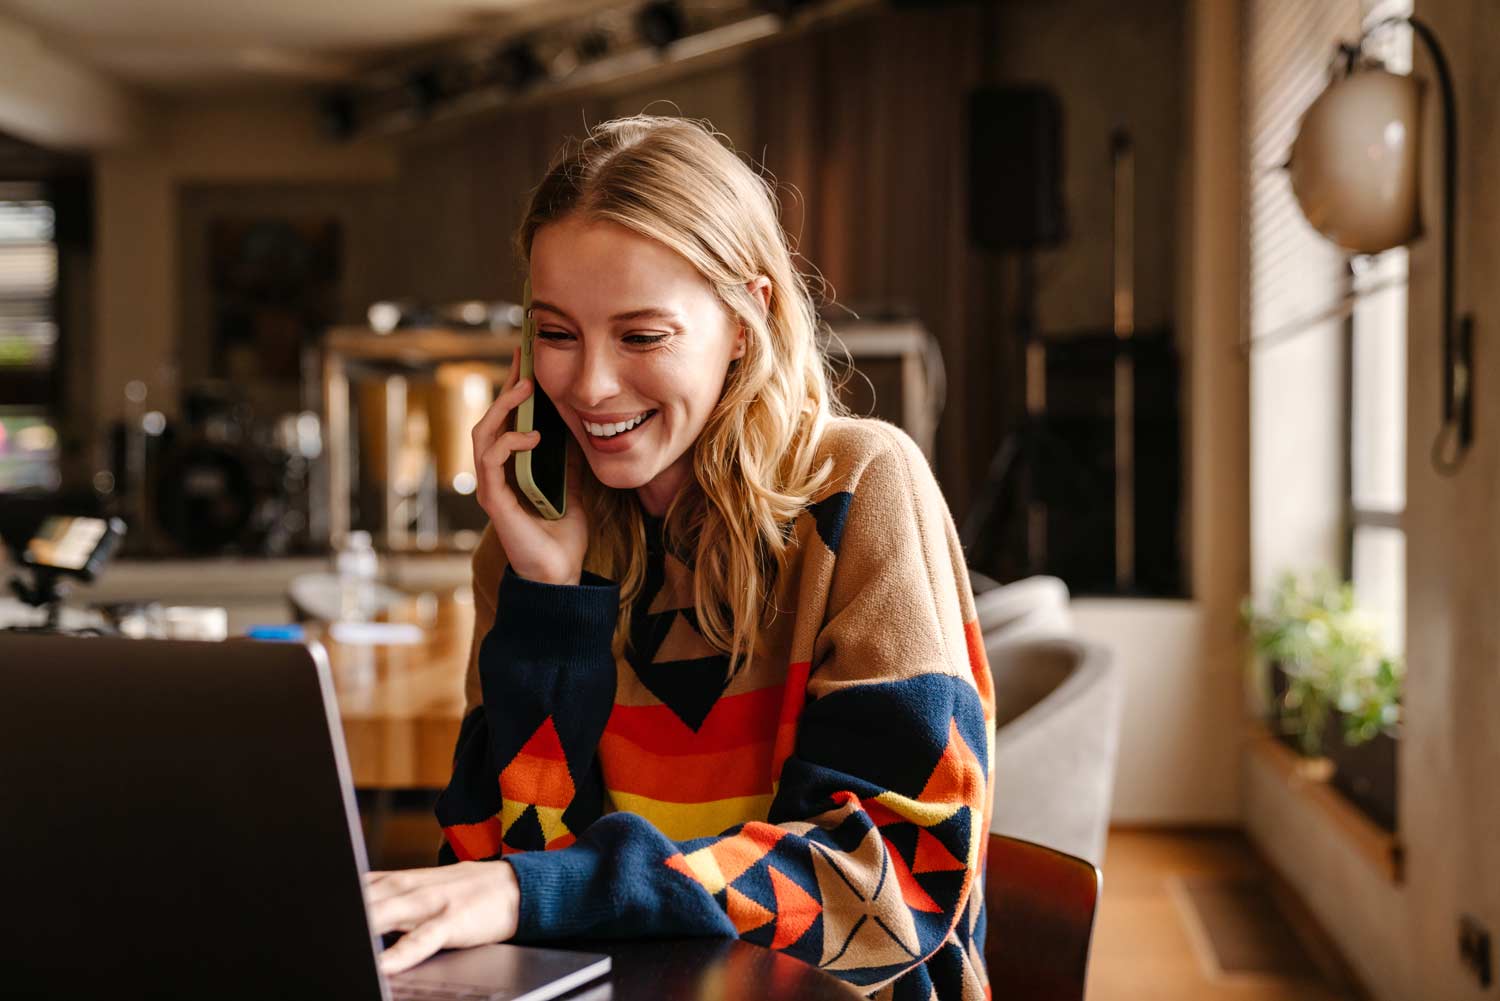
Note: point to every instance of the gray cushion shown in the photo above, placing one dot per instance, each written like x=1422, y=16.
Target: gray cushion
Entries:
x=1058, y=704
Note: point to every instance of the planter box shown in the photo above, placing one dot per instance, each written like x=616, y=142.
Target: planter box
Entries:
x=1365, y=773
x=1279, y=685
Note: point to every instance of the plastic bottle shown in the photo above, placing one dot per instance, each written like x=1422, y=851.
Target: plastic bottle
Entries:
x=358, y=566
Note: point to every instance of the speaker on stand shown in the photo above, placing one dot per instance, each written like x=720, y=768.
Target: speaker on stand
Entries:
x=1086, y=484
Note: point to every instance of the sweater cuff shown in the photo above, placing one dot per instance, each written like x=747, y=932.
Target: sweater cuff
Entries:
x=557, y=617
x=558, y=889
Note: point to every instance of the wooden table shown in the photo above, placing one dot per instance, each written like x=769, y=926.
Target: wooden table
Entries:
x=402, y=705
x=708, y=969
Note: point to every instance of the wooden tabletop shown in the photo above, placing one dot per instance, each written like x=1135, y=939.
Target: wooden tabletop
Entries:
x=708, y=969
x=402, y=705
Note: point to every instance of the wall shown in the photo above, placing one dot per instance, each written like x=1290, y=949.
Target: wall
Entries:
x=1183, y=661
x=1449, y=811
x=1403, y=939
x=137, y=326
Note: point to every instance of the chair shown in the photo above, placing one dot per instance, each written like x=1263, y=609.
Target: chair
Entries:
x=1057, y=710
x=1041, y=906
x=1035, y=606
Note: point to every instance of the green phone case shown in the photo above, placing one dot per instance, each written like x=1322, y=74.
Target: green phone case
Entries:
x=525, y=421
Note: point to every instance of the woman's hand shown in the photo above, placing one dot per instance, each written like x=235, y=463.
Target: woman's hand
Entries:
x=547, y=551
x=449, y=907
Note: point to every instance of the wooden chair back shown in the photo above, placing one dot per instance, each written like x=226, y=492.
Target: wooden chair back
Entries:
x=1041, y=906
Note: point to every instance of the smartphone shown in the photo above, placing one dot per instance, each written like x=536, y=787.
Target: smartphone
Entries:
x=541, y=473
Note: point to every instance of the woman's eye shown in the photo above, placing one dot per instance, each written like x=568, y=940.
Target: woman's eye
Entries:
x=554, y=335
x=645, y=340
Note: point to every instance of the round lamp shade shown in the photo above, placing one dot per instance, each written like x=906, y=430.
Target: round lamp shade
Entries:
x=1354, y=161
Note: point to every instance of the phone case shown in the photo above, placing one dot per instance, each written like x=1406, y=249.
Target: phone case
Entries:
x=525, y=421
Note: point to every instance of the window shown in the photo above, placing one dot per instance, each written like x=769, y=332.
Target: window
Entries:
x=29, y=374
x=1375, y=554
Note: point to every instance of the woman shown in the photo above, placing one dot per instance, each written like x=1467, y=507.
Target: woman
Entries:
x=738, y=689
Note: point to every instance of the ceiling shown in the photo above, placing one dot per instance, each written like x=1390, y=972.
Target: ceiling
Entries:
x=181, y=47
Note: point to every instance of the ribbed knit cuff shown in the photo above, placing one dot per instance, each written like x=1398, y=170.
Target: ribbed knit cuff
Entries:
x=558, y=893
x=611, y=883
x=556, y=622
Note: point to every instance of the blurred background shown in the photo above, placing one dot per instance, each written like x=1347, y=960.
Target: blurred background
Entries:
x=257, y=282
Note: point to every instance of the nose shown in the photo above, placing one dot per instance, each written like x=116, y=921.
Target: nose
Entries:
x=598, y=378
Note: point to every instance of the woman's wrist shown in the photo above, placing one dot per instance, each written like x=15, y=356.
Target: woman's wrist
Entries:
x=509, y=888
x=550, y=577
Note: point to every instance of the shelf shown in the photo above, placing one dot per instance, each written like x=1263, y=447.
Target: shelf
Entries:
x=1308, y=779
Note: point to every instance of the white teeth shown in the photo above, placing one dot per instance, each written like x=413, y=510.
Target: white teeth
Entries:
x=619, y=427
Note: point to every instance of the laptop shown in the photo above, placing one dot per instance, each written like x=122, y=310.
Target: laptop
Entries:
x=178, y=821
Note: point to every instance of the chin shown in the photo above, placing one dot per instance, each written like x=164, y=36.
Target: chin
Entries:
x=618, y=476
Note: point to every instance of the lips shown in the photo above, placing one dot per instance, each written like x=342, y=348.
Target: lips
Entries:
x=618, y=441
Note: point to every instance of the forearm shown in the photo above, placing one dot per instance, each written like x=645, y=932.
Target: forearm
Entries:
x=528, y=752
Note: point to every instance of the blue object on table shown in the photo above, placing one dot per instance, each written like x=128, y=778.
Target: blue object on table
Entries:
x=278, y=634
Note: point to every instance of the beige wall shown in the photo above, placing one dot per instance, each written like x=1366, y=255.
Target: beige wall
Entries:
x=136, y=332
x=1450, y=807
x=1403, y=940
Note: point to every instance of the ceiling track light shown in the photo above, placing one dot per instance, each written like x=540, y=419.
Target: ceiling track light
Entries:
x=629, y=42
x=660, y=23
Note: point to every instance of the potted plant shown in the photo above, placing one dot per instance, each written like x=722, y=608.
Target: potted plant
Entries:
x=1333, y=690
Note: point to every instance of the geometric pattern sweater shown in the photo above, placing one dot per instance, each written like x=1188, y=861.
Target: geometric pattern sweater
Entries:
x=829, y=800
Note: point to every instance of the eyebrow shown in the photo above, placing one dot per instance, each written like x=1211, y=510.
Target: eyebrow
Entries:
x=646, y=313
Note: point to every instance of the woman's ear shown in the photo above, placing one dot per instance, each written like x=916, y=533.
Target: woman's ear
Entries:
x=760, y=288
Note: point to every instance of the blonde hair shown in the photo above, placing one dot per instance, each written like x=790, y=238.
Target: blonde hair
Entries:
x=673, y=180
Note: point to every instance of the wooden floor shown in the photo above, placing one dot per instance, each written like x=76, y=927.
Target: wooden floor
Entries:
x=1149, y=944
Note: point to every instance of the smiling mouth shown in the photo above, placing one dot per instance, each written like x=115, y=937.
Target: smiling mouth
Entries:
x=619, y=428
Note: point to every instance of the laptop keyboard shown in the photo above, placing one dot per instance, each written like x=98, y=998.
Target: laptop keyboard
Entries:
x=416, y=990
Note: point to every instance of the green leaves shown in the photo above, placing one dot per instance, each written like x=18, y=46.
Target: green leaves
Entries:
x=1330, y=652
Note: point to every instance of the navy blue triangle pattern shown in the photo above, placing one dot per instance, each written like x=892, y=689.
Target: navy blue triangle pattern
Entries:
x=689, y=688
x=829, y=514
x=525, y=835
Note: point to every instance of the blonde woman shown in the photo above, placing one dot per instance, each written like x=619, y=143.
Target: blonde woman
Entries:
x=738, y=689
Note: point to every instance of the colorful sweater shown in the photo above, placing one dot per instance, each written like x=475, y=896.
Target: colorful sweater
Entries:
x=830, y=800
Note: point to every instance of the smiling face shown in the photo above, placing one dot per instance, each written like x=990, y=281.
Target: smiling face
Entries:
x=633, y=346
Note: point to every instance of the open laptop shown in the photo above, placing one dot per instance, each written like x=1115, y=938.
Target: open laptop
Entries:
x=177, y=821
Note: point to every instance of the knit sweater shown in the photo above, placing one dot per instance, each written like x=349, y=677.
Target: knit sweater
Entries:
x=830, y=799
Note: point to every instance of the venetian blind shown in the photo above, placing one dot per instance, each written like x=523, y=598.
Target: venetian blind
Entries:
x=1295, y=275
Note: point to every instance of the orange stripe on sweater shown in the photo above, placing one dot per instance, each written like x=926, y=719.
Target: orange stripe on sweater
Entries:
x=979, y=663
x=474, y=841
x=685, y=778
x=537, y=781
x=734, y=721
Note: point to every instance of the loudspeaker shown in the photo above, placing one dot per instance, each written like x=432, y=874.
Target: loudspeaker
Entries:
x=1015, y=168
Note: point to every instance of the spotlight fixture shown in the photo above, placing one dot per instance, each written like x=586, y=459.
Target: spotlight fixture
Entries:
x=592, y=44
x=660, y=23
x=423, y=90
x=517, y=66
x=783, y=9
x=338, y=115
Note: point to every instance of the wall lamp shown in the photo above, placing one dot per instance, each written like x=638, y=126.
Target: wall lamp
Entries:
x=1354, y=172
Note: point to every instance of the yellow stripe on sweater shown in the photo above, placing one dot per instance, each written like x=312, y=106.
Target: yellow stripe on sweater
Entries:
x=683, y=821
